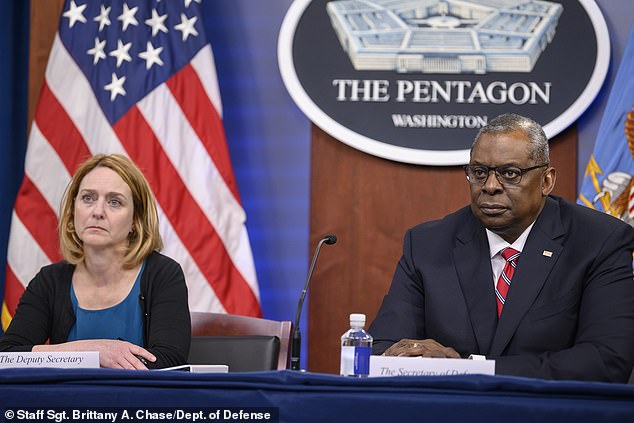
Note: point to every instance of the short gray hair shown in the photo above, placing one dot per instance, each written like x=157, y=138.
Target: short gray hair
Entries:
x=510, y=122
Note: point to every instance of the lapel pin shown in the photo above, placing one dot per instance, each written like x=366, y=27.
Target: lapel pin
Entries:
x=547, y=253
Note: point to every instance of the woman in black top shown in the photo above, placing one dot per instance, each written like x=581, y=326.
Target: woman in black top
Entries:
x=113, y=293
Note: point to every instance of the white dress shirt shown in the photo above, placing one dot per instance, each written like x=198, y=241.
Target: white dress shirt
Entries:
x=497, y=245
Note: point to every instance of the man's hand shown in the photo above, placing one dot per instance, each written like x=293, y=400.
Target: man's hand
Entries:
x=420, y=347
x=113, y=354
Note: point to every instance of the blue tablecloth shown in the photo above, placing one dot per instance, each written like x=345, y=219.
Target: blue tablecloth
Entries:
x=310, y=397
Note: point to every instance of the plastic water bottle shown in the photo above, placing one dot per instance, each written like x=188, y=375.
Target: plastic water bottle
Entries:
x=356, y=346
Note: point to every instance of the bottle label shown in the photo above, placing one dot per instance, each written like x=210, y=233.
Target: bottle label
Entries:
x=355, y=361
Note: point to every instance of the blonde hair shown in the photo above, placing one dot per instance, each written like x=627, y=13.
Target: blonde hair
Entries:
x=145, y=237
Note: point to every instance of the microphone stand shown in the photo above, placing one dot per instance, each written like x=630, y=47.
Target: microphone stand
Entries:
x=296, y=342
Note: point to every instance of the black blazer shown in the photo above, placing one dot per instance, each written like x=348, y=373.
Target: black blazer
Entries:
x=568, y=315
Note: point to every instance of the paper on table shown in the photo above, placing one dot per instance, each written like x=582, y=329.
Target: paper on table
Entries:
x=200, y=368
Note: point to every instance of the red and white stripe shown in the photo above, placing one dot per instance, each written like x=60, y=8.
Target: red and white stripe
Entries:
x=175, y=135
x=630, y=203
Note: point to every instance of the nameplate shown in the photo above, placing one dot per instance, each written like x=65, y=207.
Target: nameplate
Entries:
x=421, y=366
x=60, y=360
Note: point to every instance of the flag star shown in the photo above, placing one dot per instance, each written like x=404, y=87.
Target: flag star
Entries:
x=115, y=87
x=187, y=26
x=103, y=18
x=75, y=13
x=121, y=52
x=157, y=23
x=97, y=51
x=151, y=56
x=188, y=2
x=127, y=17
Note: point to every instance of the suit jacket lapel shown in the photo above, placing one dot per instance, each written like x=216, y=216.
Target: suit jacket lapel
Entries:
x=473, y=265
x=540, y=253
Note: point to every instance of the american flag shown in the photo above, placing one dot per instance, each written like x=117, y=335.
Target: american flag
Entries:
x=137, y=77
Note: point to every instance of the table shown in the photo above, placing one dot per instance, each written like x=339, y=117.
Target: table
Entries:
x=311, y=397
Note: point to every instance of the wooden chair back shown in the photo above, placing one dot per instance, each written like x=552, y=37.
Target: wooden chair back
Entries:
x=218, y=324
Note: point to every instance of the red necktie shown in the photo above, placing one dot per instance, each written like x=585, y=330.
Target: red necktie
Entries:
x=504, y=281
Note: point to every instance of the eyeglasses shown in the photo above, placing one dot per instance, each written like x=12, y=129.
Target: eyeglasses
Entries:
x=506, y=175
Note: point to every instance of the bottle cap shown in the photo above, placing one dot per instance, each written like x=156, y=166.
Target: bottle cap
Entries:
x=357, y=319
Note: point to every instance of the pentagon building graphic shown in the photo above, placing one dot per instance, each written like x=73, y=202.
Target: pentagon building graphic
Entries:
x=444, y=36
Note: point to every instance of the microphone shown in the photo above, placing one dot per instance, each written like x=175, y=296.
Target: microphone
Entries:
x=296, y=343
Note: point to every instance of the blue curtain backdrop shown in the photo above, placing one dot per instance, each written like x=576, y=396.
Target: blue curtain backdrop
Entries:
x=269, y=143
x=14, y=24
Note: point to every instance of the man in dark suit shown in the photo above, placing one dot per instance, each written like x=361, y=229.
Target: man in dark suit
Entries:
x=539, y=284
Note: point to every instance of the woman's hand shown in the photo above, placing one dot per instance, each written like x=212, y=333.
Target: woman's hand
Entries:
x=113, y=354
